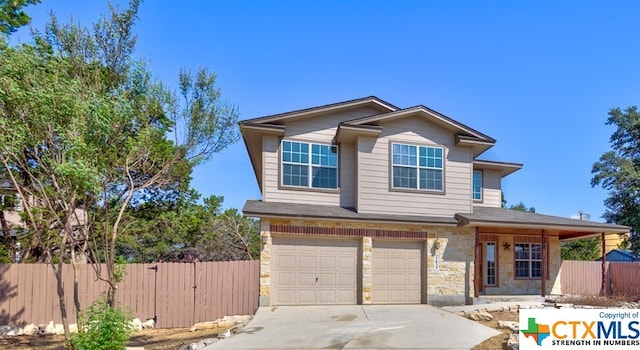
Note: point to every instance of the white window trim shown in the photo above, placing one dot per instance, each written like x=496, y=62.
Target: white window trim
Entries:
x=473, y=185
x=530, y=260
x=417, y=167
x=310, y=166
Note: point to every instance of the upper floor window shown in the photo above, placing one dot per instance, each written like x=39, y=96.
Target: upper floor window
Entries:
x=309, y=165
x=417, y=167
x=477, y=185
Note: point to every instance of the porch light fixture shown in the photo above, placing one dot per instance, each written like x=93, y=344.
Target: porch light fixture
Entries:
x=436, y=244
x=506, y=246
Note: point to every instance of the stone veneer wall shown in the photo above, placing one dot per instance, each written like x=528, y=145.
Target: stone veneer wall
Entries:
x=508, y=284
x=367, y=272
x=265, y=263
x=450, y=267
x=449, y=281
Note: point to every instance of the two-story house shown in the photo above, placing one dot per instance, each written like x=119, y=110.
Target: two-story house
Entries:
x=364, y=202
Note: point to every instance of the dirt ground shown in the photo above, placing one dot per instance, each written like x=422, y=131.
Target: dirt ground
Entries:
x=499, y=342
x=149, y=338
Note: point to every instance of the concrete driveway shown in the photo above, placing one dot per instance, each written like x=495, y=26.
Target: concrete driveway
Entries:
x=357, y=327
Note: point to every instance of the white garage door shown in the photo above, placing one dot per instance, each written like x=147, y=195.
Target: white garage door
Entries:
x=397, y=272
x=313, y=271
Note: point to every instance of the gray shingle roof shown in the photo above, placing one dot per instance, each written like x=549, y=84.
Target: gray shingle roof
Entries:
x=486, y=216
x=315, y=211
x=482, y=216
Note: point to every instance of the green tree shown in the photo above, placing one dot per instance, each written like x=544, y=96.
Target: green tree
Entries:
x=618, y=172
x=178, y=228
x=43, y=153
x=521, y=207
x=12, y=15
x=86, y=134
x=581, y=249
x=226, y=235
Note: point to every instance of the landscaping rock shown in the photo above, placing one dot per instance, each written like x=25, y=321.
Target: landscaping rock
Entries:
x=207, y=341
x=224, y=335
x=480, y=316
x=514, y=342
x=58, y=329
x=73, y=328
x=135, y=324
x=225, y=322
x=192, y=346
x=11, y=330
x=149, y=324
x=514, y=326
x=200, y=345
x=30, y=329
x=564, y=306
x=48, y=328
x=629, y=305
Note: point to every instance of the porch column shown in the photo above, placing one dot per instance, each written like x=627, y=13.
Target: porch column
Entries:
x=265, y=262
x=367, y=273
x=603, y=288
x=477, y=265
x=543, y=262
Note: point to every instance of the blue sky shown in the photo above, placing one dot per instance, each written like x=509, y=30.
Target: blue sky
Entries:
x=538, y=76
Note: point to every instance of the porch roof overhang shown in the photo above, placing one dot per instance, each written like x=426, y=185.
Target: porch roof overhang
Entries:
x=566, y=228
x=256, y=208
x=503, y=167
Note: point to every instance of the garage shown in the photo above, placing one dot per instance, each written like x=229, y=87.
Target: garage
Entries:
x=309, y=271
x=397, y=272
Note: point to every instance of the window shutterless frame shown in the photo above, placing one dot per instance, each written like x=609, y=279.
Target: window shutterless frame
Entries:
x=476, y=186
x=528, y=260
x=308, y=165
x=416, y=167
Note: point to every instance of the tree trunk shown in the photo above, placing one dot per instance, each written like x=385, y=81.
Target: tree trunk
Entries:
x=63, y=306
x=111, y=294
x=76, y=292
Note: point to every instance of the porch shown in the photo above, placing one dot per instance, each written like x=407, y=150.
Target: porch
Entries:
x=518, y=253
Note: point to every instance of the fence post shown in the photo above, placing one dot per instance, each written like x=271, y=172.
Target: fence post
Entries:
x=603, y=289
x=155, y=292
x=195, y=287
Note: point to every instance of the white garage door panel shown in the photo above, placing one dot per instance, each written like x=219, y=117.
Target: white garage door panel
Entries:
x=397, y=272
x=313, y=271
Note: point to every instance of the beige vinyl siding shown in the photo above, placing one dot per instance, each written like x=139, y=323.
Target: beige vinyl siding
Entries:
x=347, y=175
x=322, y=129
x=374, y=193
x=367, y=167
x=319, y=130
x=491, y=189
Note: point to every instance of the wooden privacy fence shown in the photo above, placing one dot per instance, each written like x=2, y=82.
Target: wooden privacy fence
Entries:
x=585, y=278
x=176, y=294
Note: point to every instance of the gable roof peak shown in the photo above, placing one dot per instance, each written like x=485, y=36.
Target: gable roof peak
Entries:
x=371, y=101
x=428, y=113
